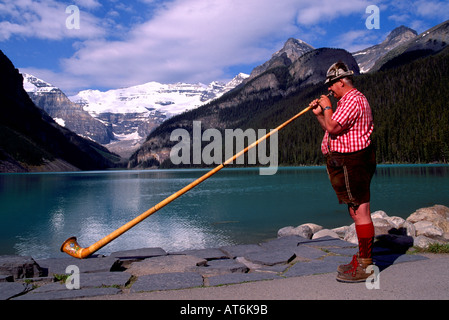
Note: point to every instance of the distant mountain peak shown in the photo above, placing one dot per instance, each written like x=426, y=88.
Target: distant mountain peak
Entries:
x=400, y=32
x=428, y=42
x=292, y=50
x=366, y=58
x=34, y=84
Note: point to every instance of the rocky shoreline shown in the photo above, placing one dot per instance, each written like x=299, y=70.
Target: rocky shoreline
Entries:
x=297, y=251
x=423, y=227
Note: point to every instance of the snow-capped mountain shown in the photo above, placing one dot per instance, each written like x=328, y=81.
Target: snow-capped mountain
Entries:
x=33, y=84
x=153, y=97
x=121, y=119
x=65, y=112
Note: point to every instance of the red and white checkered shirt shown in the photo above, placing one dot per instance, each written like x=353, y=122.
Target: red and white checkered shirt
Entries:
x=353, y=113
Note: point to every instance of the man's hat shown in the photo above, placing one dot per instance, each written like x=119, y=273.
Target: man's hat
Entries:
x=337, y=71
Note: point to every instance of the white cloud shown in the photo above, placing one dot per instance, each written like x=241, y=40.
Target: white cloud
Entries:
x=314, y=12
x=188, y=40
x=432, y=9
x=90, y=4
x=418, y=14
x=356, y=40
x=195, y=40
x=400, y=18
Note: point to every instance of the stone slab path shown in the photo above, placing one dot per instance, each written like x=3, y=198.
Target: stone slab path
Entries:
x=153, y=269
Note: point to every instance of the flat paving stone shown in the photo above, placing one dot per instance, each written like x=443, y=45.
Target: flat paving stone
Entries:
x=327, y=241
x=54, y=266
x=303, y=251
x=50, y=287
x=139, y=254
x=344, y=251
x=166, y=264
x=288, y=242
x=232, y=278
x=208, y=254
x=277, y=269
x=9, y=290
x=241, y=250
x=167, y=281
x=104, y=279
x=68, y=294
x=327, y=264
x=90, y=283
x=271, y=258
x=225, y=265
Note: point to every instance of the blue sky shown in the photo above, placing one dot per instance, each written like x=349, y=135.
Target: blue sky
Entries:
x=124, y=43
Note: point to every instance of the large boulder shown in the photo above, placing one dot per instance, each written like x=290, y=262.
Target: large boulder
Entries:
x=428, y=229
x=438, y=215
x=306, y=230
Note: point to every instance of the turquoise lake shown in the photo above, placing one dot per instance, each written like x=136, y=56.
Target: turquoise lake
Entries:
x=235, y=206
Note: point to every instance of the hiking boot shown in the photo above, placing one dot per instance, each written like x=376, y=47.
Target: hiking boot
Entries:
x=345, y=267
x=357, y=273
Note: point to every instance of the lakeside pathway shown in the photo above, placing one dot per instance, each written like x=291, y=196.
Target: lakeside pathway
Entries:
x=152, y=271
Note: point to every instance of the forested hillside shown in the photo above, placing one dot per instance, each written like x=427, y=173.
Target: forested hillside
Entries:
x=410, y=105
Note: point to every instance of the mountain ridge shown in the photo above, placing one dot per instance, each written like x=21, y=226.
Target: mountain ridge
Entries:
x=290, y=52
x=65, y=112
x=428, y=42
x=367, y=57
x=121, y=119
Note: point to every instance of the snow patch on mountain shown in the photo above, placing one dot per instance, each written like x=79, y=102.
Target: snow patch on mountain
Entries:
x=168, y=99
x=36, y=85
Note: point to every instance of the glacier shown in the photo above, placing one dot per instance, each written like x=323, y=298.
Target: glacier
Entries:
x=168, y=99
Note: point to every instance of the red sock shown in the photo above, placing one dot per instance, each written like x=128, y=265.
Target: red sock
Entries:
x=365, y=235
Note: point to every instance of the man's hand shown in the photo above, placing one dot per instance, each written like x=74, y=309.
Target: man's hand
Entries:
x=322, y=102
x=325, y=101
x=316, y=109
